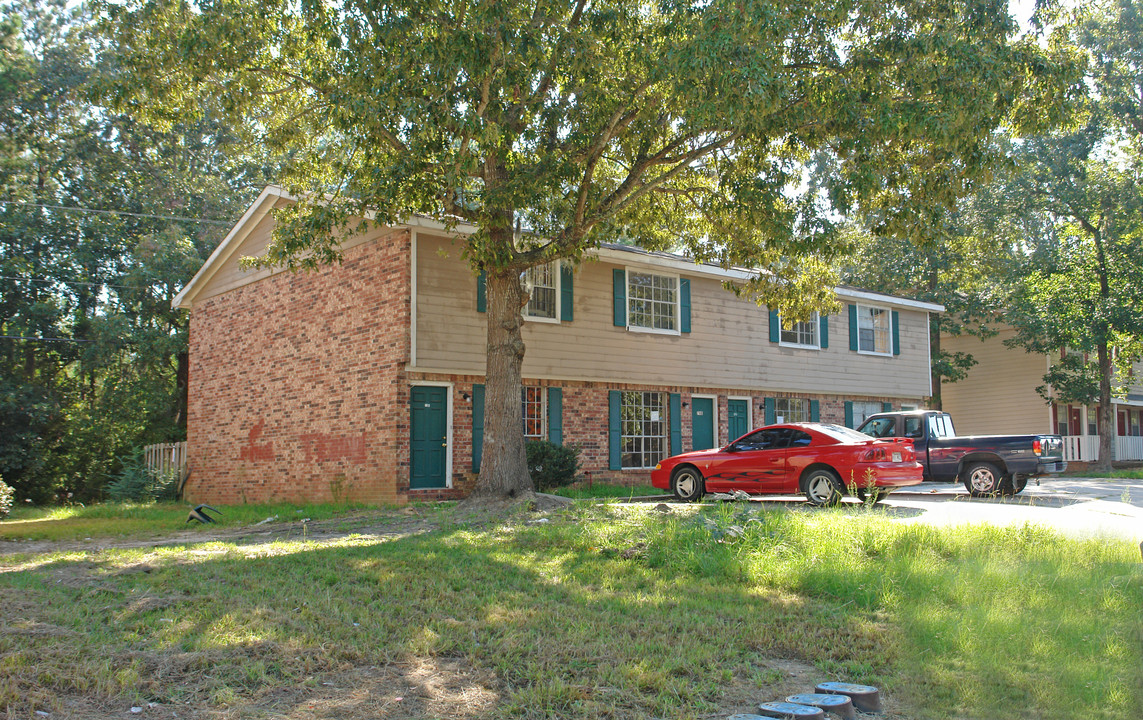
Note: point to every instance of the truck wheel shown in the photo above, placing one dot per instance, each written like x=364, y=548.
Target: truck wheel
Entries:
x=1013, y=484
x=982, y=479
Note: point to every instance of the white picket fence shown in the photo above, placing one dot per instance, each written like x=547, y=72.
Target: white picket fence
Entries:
x=1085, y=448
x=167, y=459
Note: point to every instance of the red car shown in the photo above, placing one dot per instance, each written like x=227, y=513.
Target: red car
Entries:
x=817, y=459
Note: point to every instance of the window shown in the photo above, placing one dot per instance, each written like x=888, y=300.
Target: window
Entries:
x=788, y=410
x=643, y=429
x=874, y=334
x=544, y=283
x=862, y=410
x=802, y=334
x=532, y=402
x=652, y=302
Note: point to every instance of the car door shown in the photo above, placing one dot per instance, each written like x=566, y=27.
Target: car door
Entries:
x=753, y=464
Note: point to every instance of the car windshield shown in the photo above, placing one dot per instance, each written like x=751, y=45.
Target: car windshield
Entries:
x=844, y=434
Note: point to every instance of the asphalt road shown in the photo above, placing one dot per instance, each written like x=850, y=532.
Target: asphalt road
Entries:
x=1078, y=507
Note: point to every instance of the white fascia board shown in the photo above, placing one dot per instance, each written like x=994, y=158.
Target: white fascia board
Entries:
x=678, y=264
x=883, y=299
x=253, y=215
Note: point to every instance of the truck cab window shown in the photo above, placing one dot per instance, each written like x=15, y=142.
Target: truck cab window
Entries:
x=914, y=428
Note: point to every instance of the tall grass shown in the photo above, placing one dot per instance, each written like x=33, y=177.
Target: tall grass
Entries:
x=604, y=611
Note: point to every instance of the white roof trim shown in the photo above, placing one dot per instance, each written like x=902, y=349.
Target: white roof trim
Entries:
x=633, y=256
x=185, y=299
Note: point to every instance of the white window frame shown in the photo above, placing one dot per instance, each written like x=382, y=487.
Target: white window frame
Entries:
x=677, y=303
x=888, y=352
x=861, y=417
x=815, y=323
x=664, y=439
x=779, y=418
x=557, y=275
x=543, y=412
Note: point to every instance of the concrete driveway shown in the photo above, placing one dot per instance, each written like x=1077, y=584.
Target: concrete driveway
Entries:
x=1078, y=507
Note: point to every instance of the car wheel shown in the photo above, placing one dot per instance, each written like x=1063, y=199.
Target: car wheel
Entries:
x=687, y=484
x=982, y=479
x=823, y=487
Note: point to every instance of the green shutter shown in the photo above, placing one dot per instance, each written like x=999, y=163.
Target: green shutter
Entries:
x=684, y=305
x=824, y=334
x=775, y=327
x=771, y=411
x=619, y=292
x=477, y=426
x=614, y=412
x=676, y=424
x=481, y=292
x=814, y=411
x=853, y=327
x=886, y=407
x=567, y=293
x=556, y=415
x=896, y=334
x=849, y=413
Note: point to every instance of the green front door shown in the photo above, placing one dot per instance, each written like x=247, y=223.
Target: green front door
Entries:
x=428, y=444
x=702, y=423
x=737, y=419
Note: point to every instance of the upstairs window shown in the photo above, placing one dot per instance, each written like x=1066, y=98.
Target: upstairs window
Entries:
x=802, y=334
x=874, y=330
x=652, y=302
x=544, y=283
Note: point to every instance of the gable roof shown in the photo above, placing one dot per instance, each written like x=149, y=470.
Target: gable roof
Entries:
x=613, y=252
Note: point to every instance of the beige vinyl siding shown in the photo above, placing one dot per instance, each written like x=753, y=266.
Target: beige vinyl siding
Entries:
x=231, y=275
x=728, y=346
x=998, y=397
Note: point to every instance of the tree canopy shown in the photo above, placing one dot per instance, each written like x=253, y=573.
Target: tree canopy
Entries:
x=102, y=220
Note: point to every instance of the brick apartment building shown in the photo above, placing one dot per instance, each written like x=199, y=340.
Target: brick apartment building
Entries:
x=364, y=381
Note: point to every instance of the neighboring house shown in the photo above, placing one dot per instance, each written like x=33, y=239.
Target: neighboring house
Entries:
x=364, y=381
x=998, y=397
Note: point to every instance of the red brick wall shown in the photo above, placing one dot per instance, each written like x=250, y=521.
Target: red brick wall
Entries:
x=295, y=383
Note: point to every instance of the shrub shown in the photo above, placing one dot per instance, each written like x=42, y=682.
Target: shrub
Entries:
x=6, y=493
x=551, y=465
x=135, y=483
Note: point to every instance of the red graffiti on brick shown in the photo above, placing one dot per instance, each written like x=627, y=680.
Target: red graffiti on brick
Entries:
x=252, y=451
x=321, y=447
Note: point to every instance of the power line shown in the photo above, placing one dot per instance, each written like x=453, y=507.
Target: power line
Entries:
x=43, y=339
x=117, y=212
x=50, y=281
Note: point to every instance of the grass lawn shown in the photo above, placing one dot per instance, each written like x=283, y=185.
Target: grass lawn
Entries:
x=603, y=610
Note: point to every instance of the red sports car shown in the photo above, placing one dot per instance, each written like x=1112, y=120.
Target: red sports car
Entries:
x=817, y=459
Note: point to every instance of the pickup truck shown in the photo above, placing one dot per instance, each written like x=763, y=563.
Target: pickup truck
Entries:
x=986, y=464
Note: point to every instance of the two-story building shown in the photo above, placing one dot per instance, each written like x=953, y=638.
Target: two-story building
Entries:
x=998, y=396
x=364, y=380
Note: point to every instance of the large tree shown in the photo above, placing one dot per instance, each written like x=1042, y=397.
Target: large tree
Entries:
x=1082, y=280
x=552, y=126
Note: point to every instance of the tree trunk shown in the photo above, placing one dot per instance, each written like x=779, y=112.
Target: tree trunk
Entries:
x=1107, y=430
x=504, y=465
